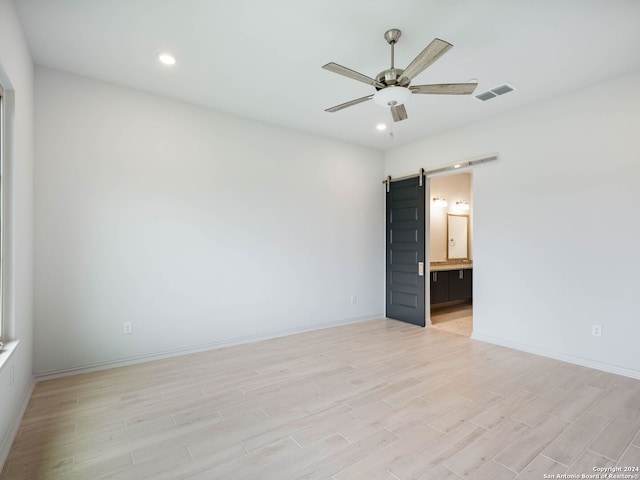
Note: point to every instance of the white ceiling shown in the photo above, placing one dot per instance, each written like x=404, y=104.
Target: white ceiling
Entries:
x=262, y=59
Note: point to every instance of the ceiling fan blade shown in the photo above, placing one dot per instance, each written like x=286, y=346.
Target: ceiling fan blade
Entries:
x=347, y=72
x=445, y=88
x=399, y=113
x=430, y=54
x=349, y=104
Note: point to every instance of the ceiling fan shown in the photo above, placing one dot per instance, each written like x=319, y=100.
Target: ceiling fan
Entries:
x=394, y=84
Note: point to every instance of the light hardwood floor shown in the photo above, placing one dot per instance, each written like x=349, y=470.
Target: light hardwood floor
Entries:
x=375, y=400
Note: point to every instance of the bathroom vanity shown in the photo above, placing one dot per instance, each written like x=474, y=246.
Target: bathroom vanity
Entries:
x=451, y=281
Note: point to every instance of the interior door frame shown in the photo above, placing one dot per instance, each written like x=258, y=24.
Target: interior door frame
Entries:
x=427, y=251
x=427, y=226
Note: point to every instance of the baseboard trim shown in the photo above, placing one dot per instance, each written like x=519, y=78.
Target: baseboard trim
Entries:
x=585, y=362
x=8, y=440
x=123, y=362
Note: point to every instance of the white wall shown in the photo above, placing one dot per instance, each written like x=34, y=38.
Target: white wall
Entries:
x=556, y=225
x=16, y=74
x=200, y=228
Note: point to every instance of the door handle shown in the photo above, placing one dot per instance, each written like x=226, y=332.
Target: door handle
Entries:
x=461, y=274
x=421, y=269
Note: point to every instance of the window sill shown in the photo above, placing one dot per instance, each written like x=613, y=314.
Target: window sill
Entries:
x=7, y=351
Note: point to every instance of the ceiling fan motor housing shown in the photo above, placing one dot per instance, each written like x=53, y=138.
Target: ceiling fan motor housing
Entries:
x=392, y=76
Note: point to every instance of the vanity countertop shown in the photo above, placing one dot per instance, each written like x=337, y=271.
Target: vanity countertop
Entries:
x=450, y=265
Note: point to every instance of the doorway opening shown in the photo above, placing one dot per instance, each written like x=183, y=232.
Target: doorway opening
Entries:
x=451, y=252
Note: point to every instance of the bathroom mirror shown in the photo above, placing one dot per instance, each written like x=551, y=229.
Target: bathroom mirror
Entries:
x=457, y=237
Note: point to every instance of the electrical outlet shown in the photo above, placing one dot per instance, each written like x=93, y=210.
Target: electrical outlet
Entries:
x=354, y=299
x=127, y=328
x=596, y=330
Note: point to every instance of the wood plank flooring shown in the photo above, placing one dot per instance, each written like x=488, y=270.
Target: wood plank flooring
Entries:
x=375, y=400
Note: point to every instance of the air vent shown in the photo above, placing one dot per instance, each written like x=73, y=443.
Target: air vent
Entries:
x=488, y=95
x=494, y=92
x=502, y=89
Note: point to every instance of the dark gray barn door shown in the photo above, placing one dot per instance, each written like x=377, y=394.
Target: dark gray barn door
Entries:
x=405, y=251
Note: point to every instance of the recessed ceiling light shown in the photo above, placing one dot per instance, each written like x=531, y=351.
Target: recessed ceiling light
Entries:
x=381, y=126
x=167, y=59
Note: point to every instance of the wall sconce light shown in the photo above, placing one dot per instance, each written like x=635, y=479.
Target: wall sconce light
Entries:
x=439, y=201
x=462, y=205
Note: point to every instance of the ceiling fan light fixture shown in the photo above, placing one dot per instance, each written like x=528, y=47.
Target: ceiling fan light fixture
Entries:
x=392, y=96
